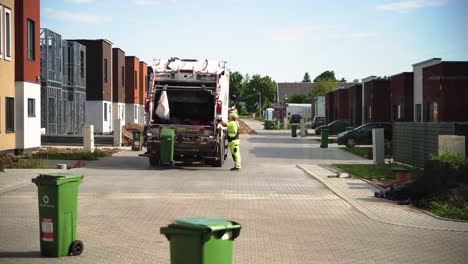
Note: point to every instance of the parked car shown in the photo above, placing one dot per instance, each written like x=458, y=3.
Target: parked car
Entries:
x=318, y=121
x=295, y=119
x=363, y=135
x=334, y=127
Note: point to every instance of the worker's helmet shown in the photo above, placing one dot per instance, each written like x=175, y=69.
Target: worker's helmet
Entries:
x=234, y=115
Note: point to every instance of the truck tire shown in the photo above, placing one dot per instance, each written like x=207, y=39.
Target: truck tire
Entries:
x=220, y=161
x=153, y=161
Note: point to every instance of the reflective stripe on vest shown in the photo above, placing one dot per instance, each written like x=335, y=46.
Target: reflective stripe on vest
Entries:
x=233, y=130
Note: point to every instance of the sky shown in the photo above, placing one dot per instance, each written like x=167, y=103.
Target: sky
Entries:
x=281, y=39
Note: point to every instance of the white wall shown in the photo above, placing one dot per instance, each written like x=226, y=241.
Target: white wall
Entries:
x=95, y=116
x=28, y=129
x=130, y=113
x=141, y=115
x=320, y=106
x=118, y=112
x=418, y=83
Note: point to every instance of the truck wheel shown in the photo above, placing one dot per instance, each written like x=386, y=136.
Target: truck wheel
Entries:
x=76, y=248
x=220, y=161
x=153, y=161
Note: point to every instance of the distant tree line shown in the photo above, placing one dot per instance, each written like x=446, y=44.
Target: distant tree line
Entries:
x=251, y=90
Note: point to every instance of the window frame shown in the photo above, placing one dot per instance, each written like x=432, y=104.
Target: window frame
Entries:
x=135, y=111
x=31, y=51
x=32, y=110
x=105, y=70
x=7, y=117
x=8, y=58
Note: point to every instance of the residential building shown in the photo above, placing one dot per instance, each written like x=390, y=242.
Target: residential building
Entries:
x=27, y=74
x=118, y=85
x=355, y=105
x=7, y=76
x=304, y=88
x=98, y=84
x=363, y=109
x=402, y=89
x=341, y=104
x=74, y=87
x=143, y=80
x=132, y=89
x=376, y=100
x=418, y=86
x=445, y=92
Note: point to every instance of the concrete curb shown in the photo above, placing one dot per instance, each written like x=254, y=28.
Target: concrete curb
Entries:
x=371, y=216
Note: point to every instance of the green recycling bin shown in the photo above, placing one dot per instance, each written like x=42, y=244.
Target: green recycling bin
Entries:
x=294, y=130
x=278, y=125
x=137, y=140
x=167, y=146
x=201, y=240
x=324, y=138
x=58, y=207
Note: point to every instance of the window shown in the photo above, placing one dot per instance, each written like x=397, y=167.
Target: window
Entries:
x=135, y=80
x=369, y=113
x=10, y=114
x=418, y=112
x=51, y=110
x=105, y=111
x=105, y=70
x=432, y=114
x=7, y=34
x=82, y=66
x=31, y=40
x=31, y=107
x=396, y=112
x=136, y=112
x=123, y=76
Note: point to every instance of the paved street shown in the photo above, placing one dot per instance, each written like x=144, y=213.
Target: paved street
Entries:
x=288, y=216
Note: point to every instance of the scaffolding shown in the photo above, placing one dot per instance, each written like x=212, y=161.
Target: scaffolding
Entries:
x=63, y=84
x=51, y=82
x=74, y=86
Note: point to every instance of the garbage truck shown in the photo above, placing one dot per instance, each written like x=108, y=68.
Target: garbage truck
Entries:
x=193, y=94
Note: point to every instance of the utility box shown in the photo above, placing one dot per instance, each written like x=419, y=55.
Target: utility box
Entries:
x=58, y=208
x=201, y=240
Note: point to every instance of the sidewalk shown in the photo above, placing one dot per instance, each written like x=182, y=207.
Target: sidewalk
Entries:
x=14, y=178
x=360, y=195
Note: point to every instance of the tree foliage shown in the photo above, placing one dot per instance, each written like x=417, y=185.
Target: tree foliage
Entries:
x=322, y=87
x=297, y=98
x=257, y=87
x=306, y=77
x=326, y=75
x=237, y=84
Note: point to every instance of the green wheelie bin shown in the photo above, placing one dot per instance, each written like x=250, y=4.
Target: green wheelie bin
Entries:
x=58, y=207
x=294, y=130
x=137, y=140
x=324, y=138
x=201, y=240
x=167, y=146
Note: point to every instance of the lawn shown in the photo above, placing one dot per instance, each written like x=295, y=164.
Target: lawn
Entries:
x=370, y=171
x=447, y=208
x=360, y=151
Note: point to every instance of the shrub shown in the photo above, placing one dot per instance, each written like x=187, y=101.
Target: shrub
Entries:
x=32, y=164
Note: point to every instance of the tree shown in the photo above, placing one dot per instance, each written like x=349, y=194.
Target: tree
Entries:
x=236, y=84
x=297, y=98
x=322, y=86
x=306, y=77
x=326, y=75
x=342, y=80
x=256, y=88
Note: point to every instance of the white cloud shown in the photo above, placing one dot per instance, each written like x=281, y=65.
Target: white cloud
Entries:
x=151, y=2
x=68, y=16
x=406, y=6
x=81, y=1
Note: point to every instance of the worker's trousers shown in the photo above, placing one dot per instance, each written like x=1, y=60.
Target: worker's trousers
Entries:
x=235, y=151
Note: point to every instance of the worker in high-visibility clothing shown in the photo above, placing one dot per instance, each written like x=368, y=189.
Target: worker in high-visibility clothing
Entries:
x=233, y=139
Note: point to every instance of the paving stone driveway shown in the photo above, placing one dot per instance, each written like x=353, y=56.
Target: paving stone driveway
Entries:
x=287, y=216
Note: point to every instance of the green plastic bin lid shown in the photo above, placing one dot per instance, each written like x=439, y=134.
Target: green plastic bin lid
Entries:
x=204, y=223
x=167, y=132
x=57, y=178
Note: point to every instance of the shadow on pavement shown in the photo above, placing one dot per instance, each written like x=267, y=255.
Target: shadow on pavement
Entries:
x=307, y=153
x=30, y=254
x=282, y=140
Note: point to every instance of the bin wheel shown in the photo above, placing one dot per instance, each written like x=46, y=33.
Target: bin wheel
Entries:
x=76, y=248
x=154, y=161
